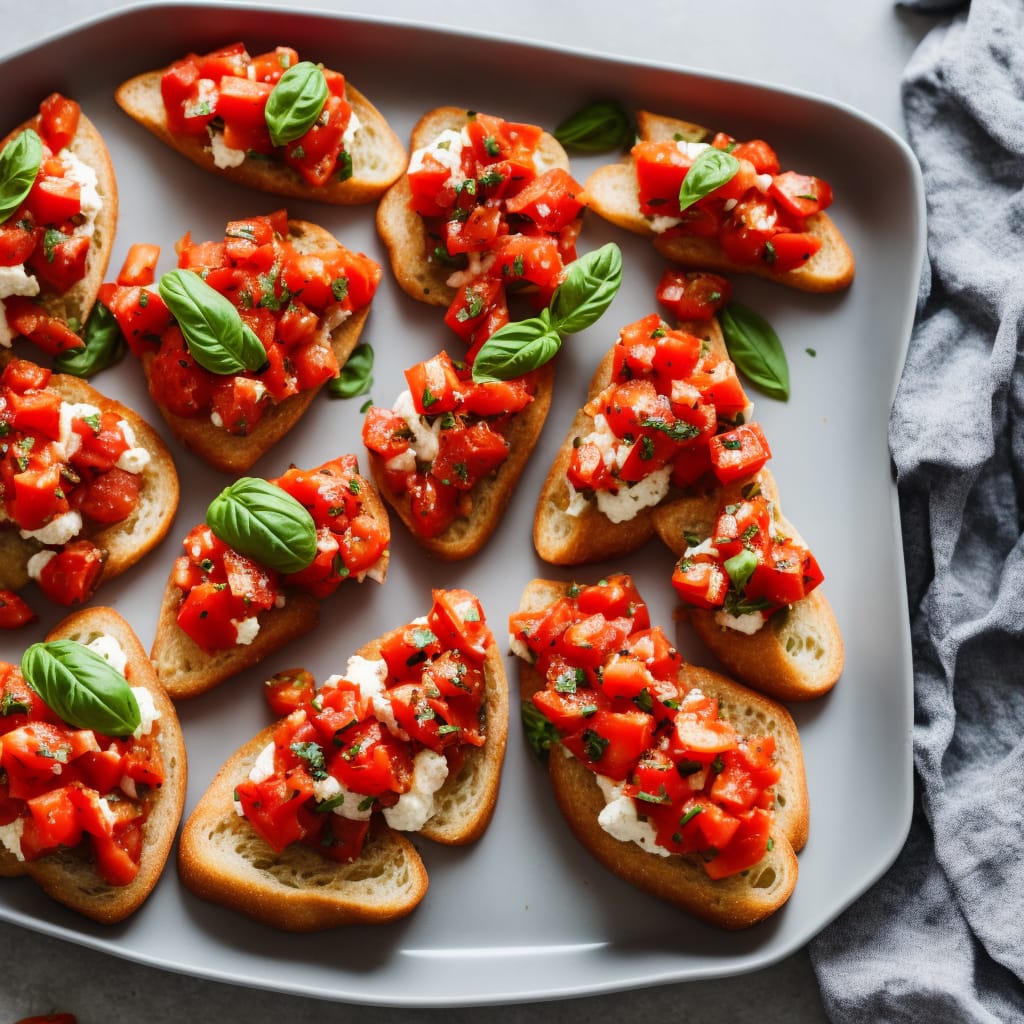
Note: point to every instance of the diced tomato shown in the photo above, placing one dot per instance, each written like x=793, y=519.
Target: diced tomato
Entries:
x=746, y=847
x=58, y=121
x=551, y=200
x=206, y=615
x=289, y=690
x=457, y=620
x=434, y=385
x=139, y=267
x=700, y=581
x=433, y=504
x=611, y=741
x=72, y=575
x=111, y=497
x=788, y=250
x=800, y=195
x=51, y=334
x=739, y=452
x=587, y=469
x=14, y=610
x=693, y=294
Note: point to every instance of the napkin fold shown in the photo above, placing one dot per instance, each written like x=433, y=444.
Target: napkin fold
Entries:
x=941, y=936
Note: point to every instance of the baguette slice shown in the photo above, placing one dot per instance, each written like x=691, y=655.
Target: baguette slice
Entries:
x=231, y=453
x=798, y=654
x=68, y=877
x=738, y=901
x=378, y=156
x=612, y=191
x=76, y=303
x=563, y=539
x=404, y=232
x=491, y=495
x=186, y=670
x=223, y=860
x=123, y=543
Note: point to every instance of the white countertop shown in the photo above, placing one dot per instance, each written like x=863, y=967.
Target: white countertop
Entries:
x=853, y=53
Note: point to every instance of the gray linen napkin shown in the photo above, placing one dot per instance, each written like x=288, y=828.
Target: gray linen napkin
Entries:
x=941, y=936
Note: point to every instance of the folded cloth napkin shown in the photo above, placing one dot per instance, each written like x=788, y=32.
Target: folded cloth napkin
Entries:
x=941, y=936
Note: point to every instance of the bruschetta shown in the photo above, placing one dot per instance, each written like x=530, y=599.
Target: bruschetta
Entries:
x=238, y=339
x=665, y=412
x=448, y=455
x=229, y=602
x=89, y=488
x=713, y=203
x=677, y=779
x=58, y=215
x=750, y=588
x=95, y=836
x=409, y=738
x=486, y=210
x=271, y=122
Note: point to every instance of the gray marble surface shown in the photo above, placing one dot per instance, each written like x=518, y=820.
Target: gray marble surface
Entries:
x=853, y=53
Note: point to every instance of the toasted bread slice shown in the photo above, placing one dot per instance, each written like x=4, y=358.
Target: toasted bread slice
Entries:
x=404, y=232
x=231, y=453
x=186, y=670
x=68, y=877
x=123, y=543
x=378, y=156
x=74, y=305
x=491, y=495
x=738, y=901
x=798, y=654
x=222, y=859
x=612, y=192
x=564, y=539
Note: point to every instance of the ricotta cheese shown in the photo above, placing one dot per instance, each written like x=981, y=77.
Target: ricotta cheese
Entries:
x=415, y=806
x=619, y=818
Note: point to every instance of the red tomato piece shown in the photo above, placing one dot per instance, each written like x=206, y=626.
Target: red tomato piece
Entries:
x=289, y=690
x=693, y=294
x=739, y=452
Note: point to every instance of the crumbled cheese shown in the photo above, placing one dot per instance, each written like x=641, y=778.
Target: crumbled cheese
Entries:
x=659, y=225
x=619, y=818
x=351, y=131
x=424, y=438
x=58, y=530
x=135, y=458
x=89, y=197
x=748, y=623
x=16, y=281
x=354, y=806
x=224, y=156
x=10, y=837
x=148, y=712
x=263, y=767
x=38, y=562
x=216, y=419
x=110, y=650
x=624, y=504
x=370, y=675
x=692, y=150
x=517, y=645
x=415, y=806
x=246, y=630
x=446, y=149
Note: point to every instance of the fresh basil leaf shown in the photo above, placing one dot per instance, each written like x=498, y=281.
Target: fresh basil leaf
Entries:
x=217, y=338
x=755, y=349
x=596, y=128
x=740, y=568
x=81, y=687
x=540, y=732
x=19, y=166
x=264, y=522
x=295, y=102
x=591, y=282
x=515, y=349
x=712, y=169
x=356, y=376
x=104, y=345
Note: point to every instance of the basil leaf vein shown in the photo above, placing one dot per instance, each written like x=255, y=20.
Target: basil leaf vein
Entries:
x=81, y=687
x=217, y=338
x=263, y=521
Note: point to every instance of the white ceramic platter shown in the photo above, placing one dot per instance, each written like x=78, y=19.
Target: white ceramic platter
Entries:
x=525, y=914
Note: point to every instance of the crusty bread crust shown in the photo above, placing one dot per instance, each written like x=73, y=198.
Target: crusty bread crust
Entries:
x=67, y=876
x=735, y=902
x=223, y=860
x=490, y=496
x=378, y=156
x=232, y=453
x=404, y=232
x=563, y=539
x=612, y=192
x=798, y=654
x=74, y=305
x=123, y=543
x=186, y=670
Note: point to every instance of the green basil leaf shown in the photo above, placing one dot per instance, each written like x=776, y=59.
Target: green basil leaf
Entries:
x=294, y=104
x=540, y=732
x=591, y=282
x=712, y=169
x=264, y=522
x=19, y=166
x=217, y=338
x=356, y=376
x=104, y=345
x=755, y=349
x=515, y=349
x=596, y=128
x=740, y=567
x=81, y=687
